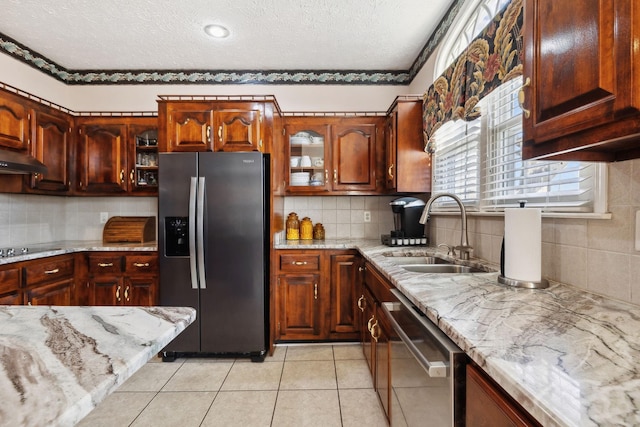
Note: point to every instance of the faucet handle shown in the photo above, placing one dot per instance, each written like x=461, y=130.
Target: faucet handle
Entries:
x=449, y=248
x=465, y=251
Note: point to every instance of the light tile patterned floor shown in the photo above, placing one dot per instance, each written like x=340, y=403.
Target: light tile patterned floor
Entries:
x=301, y=385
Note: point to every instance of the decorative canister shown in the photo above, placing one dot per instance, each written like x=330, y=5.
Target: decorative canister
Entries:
x=306, y=228
x=318, y=231
x=293, y=227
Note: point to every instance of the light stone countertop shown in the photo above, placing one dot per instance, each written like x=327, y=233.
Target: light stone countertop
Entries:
x=58, y=363
x=571, y=358
x=72, y=246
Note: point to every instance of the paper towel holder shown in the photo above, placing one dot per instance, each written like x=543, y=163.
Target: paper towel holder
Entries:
x=542, y=284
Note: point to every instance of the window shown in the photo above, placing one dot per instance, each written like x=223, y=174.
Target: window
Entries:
x=481, y=160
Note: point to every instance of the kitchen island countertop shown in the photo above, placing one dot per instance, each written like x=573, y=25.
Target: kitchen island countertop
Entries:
x=58, y=363
x=569, y=357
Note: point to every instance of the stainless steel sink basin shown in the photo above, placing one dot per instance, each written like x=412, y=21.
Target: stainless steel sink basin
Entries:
x=440, y=268
x=403, y=260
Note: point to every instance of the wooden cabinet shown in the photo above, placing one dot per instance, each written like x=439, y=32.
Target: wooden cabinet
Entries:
x=105, y=161
x=333, y=154
x=408, y=167
x=316, y=295
x=49, y=281
x=300, y=295
x=52, y=145
x=15, y=122
x=117, y=278
x=581, y=74
x=346, y=271
x=210, y=123
x=10, y=280
x=488, y=405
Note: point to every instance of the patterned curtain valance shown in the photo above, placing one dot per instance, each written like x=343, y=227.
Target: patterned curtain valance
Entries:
x=491, y=59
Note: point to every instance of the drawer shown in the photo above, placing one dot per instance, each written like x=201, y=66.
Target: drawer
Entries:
x=48, y=270
x=9, y=279
x=105, y=264
x=141, y=264
x=379, y=286
x=299, y=262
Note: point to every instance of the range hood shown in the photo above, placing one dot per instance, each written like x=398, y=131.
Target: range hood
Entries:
x=19, y=163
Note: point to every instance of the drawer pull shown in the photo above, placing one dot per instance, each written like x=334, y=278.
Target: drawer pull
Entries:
x=105, y=264
x=299, y=263
x=54, y=271
x=140, y=264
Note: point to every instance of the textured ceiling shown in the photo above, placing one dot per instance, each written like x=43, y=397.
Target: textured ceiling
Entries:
x=152, y=35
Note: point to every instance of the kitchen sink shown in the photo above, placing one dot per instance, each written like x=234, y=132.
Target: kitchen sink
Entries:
x=403, y=260
x=440, y=268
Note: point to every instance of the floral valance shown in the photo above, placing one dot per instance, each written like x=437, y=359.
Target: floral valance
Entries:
x=491, y=59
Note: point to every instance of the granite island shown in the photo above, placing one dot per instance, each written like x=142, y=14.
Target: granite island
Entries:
x=58, y=363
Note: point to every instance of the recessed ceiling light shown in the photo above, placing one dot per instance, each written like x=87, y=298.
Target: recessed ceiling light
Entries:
x=217, y=31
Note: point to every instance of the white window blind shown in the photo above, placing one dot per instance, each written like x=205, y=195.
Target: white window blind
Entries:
x=456, y=163
x=552, y=185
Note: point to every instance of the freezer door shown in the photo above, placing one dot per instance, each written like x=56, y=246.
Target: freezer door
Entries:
x=176, y=244
x=235, y=246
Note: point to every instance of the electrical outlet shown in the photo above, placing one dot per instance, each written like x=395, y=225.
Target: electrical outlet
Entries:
x=104, y=216
x=367, y=216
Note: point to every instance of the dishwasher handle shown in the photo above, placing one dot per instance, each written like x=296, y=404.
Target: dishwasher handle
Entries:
x=436, y=369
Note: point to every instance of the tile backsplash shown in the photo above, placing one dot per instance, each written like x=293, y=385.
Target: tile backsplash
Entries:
x=32, y=219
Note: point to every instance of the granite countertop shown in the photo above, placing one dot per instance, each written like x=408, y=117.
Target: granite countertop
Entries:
x=58, y=363
x=571, y=358
x=71, y=246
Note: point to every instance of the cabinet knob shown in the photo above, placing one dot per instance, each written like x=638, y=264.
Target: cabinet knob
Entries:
x=521, y=97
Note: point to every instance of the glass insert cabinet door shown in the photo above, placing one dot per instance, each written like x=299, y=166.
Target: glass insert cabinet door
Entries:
x=307, y=168
x=146, y=166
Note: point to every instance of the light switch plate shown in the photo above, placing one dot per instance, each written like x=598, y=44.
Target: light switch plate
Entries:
x=637, y=230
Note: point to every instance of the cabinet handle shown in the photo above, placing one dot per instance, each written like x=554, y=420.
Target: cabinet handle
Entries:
x=220, y=133
x=126, y=293
x=105, y=264
x=131, y=175
x=315, y=291
x=208, y=133
x=139, y=264
x=335, y=176
x=527, y=83
x=360, y=269
x=326, y=175
x=118, y=294
x=360, y=303
x=390, y=171
x=54, y=271
x=375, y=327
x=121, y=176
x=299, y=263
x=370, y=322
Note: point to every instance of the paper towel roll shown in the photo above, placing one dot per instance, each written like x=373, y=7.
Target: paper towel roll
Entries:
x=523, y=244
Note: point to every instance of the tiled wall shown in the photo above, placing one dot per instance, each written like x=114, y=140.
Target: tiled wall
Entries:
x=595, y=255
x=343, y=216
x=33, y=219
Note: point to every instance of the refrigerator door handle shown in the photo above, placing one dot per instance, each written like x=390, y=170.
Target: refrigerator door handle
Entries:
x=192, y=233
x=200, y=234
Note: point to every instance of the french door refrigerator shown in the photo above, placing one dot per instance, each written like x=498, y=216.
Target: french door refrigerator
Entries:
x=213, y=246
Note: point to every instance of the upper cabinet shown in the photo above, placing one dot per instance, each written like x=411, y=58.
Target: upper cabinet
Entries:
x=116, y=155
x=408, y=167
x=15, y=122
x=340, y=155
x=581, y=92
x=216, y=123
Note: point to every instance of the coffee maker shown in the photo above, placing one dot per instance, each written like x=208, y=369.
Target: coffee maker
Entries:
x=406, y=223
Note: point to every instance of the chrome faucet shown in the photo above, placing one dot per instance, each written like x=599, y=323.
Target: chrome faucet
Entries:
x=464, y=247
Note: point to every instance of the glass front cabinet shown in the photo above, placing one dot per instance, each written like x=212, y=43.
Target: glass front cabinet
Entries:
x=308, y=149
x=145, y=171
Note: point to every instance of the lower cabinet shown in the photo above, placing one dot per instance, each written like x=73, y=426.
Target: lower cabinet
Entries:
x=117, y=278
x=10, y=293
x=315, y=295
x=488, y=405
x=49, y=281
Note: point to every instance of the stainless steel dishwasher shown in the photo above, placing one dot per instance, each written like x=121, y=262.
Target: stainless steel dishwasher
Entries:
x=427, y=370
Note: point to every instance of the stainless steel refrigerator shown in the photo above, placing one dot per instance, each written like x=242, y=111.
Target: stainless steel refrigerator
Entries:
x=213, y=248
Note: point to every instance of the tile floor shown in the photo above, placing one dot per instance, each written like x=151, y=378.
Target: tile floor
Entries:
x=301, y=385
